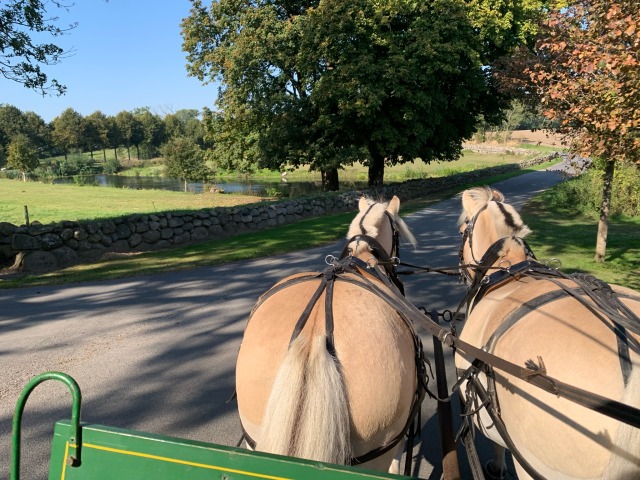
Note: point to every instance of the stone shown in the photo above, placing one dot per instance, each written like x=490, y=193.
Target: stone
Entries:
x=50, y=241
x=65, y=256
x=21, y=241
x=38, y=261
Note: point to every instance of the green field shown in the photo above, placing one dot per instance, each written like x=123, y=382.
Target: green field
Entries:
x=48, y=203
x=570, y=238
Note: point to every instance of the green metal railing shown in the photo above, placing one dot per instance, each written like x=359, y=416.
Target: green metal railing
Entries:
x=75, y=431
x=110, y=453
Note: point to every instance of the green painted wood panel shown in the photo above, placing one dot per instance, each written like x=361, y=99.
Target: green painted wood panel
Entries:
x=118, y=454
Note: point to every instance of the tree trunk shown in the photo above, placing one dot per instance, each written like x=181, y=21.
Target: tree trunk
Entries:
x=330, y=182
x=376, y=170
x=138, y=151
x=115, y=152
x=128, y=153
x=603, y=227
x=104, y=155
x=185, y=185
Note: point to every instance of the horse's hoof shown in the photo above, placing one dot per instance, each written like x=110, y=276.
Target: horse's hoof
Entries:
x=494, y=472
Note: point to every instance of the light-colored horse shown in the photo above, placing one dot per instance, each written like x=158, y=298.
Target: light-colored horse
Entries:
x=532, y=318
x=333, y=396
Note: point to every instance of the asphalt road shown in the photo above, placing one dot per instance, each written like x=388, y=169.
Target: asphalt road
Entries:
x=157, y=353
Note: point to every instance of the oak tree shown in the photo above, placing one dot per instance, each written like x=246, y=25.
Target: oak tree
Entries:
x=325, y=83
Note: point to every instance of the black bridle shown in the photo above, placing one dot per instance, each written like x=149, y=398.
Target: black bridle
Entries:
x=387, y=260
x=482, y=266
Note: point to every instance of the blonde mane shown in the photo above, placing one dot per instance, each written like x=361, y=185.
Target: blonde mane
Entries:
x=507, y=220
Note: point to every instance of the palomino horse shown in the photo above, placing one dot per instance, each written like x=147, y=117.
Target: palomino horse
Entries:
x=573, y=329
x=327, y=369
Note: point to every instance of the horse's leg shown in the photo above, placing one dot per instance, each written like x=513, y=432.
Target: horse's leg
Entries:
x=496, y=468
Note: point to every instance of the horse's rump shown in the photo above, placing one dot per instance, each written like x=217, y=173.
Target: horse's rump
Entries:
x=534, y=322
x=374, y=351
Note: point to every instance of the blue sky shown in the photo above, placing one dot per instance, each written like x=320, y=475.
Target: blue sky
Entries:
x=128, y=54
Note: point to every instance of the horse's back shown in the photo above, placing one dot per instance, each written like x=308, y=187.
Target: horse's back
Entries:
x=536, y=321
x=374, y=350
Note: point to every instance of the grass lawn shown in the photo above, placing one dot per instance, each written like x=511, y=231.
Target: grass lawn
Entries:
x=48, y=203
x=555, y=235
x=572, y=240
x=53, y=203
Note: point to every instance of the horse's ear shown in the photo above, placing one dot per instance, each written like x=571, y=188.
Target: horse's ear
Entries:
x=394, y=206
x=497, y=196
x=363, y=204
x=468, y=203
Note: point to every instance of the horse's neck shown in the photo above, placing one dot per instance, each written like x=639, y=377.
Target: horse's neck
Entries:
x=512, y=252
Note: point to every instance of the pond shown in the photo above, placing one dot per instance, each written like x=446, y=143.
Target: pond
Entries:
x=287, y=188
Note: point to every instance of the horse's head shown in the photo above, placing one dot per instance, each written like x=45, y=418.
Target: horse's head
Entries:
x=492, y=231
x=380, y=222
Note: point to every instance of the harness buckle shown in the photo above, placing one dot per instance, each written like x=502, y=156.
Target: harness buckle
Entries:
x=330, y=260
x=554, y=263
x=505, y=268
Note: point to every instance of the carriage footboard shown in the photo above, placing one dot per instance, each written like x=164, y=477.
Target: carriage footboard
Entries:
x=95, y=452
x=112, y=453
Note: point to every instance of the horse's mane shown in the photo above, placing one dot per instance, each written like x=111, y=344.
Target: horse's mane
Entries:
x=374, y=218
x=507, y=220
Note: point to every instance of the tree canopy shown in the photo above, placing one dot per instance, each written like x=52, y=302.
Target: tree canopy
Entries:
x=22, y=25
x=585, y=72
x=326, y=83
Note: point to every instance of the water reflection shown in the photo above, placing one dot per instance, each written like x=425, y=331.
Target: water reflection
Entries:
x=286, y=188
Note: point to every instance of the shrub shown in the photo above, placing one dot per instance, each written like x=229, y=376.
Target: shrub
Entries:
x=584, y=194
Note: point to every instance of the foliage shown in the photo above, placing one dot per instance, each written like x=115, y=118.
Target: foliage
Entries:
x=130, y=128
x=185, y=160
x=22, y=25
x=153, y=132
x=185, y=123
x=75, y=164
x=588, y=76
x=15, y=122
x=329, y=83
x=67, y=130
x=21, y=156
x=585, y=74
x=583, y=195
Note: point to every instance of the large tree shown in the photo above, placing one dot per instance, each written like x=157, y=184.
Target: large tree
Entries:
x=23, y=25
x=97, y=133
x=130, y=130
x=586, y=73
x=329, y=82
x=14, y=121
x=22, y=156
x=68, y=130
x=185, y=160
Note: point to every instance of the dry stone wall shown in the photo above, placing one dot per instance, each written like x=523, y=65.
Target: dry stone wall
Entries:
x=38, y=247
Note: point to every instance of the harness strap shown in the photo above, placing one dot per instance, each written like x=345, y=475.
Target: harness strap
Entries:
x=328, y=278
x=502, y=429
x=612, y=408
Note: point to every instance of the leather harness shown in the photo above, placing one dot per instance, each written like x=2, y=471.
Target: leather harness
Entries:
x=594, y=294
x=351, y=269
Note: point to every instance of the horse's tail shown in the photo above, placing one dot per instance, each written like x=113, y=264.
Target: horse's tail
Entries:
x=625, y=460
x=307, y=414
